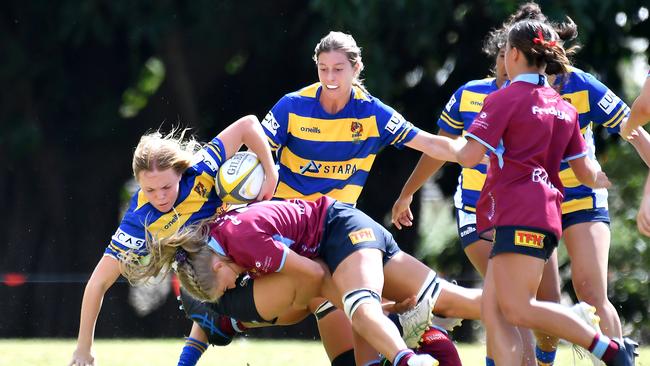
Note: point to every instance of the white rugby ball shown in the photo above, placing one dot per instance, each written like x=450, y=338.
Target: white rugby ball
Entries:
x=240, y=178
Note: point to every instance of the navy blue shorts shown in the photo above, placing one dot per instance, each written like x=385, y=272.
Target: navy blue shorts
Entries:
x=524, y=240
x=347, y=230
x=578, y=217
x=466, y=224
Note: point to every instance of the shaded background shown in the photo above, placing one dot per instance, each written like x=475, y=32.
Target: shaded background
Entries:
x=82, y=81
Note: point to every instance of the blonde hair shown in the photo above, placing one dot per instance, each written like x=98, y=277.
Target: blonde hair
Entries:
x=187, y=252
x=156, y=151
x=339, y=41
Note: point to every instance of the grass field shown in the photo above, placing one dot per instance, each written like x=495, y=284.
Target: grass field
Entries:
x=242, y=352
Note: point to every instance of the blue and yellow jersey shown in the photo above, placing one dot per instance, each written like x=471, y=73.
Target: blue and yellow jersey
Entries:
x=455, y=119
x=330, y=154
x=596, y=104
x=197, y=199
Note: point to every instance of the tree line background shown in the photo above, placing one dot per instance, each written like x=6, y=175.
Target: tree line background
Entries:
x=82, y=81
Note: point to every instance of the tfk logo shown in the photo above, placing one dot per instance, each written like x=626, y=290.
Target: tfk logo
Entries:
x=311, y=167
x=467, y=231
x=551, y=111
x=362, y=235
x=529, y=239
x=310, y=129
x=127, y=240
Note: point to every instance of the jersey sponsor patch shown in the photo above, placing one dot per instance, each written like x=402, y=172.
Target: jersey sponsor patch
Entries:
x=205, y=157
x=608, y=102
x=529, y=239
x=450, y=103
x=396, y=121
x=362, y=235
x=270, y=123
x=129, y=241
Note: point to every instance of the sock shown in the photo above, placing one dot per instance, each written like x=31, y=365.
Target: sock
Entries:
x=436, y=343
x=544, y=358
x=403, y=357
x=231, y=326
x=192, y=351
x=603, y=347
x=489, y=362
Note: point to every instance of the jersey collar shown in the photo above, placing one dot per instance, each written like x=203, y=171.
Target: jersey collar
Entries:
x=532, y=78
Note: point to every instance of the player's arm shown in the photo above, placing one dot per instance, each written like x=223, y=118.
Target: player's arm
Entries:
x=105, y=274
x=471, y=154
x=640, y=139
x=640, y=112
x=308, y=274
x=248, y=131
x=437, y=147
x=426, y=167
x=588, y=173
x=643, y=217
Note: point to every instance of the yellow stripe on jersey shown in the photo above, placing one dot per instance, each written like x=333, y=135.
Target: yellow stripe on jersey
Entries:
x=401, y=136
x=450, y=121
x=341, y=170
x=586, y=203
x=327, y=130
x=618, y=117
x=349, y=194
x=309, y=91
x=469, y=208
x=569, y=179
x=272, y=144
x=579, y=99
x=471, y=102
x=473, y=179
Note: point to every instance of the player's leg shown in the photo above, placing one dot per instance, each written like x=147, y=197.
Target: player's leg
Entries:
x=588, y=247
x=549, y=290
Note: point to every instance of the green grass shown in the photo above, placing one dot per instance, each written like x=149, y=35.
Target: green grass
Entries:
x=242, y=352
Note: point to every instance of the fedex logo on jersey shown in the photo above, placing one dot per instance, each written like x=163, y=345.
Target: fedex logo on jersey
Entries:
x=550, y=111
x=270, y=123
x=361, y=236
x=129, y=241
x=529, y=239
x=608, y=102
x=396, y=121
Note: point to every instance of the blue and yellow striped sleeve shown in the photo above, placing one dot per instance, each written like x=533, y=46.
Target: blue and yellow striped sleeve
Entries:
x=393, y=128
x=606, y=108
x=210, y=157
x=276, y=122
x=450, y=119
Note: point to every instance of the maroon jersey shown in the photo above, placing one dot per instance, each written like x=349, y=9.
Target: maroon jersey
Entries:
x=530, y=129
x=258, y=236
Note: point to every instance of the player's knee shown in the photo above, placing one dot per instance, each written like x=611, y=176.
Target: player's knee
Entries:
x=515, y=312
x=352, y=300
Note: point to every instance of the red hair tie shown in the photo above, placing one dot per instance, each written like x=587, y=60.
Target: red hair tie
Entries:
x=540, y=39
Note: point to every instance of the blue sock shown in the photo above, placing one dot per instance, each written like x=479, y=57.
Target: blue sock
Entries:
x=489, y=362
x=192, y=351
x=544, y=358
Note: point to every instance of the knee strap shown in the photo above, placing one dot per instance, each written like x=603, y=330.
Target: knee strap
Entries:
x=355, y=298
x=323, y=309
x=432, y=287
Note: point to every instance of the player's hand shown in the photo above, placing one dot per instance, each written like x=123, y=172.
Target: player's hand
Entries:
x=643, y=217
x=627, y=132
x=268, y=187
x=82, y=358
x=400, y=307
x=401, y=213
x=601, y=180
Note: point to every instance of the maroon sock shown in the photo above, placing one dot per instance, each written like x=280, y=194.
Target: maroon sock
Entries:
x=610, y=352
x=225, y=324
x=437, y=344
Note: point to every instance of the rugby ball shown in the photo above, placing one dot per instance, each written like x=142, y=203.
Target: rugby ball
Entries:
x=240, y=178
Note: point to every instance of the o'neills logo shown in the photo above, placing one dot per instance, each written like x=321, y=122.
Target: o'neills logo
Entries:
x=529, y=239
x=310, y=129
x=551, y=111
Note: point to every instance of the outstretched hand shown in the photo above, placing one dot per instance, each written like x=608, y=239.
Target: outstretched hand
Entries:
x=401, y=213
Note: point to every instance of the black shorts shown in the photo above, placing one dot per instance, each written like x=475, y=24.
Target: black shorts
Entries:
x=239, y=302
x=524, y=240
x=347, y=230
